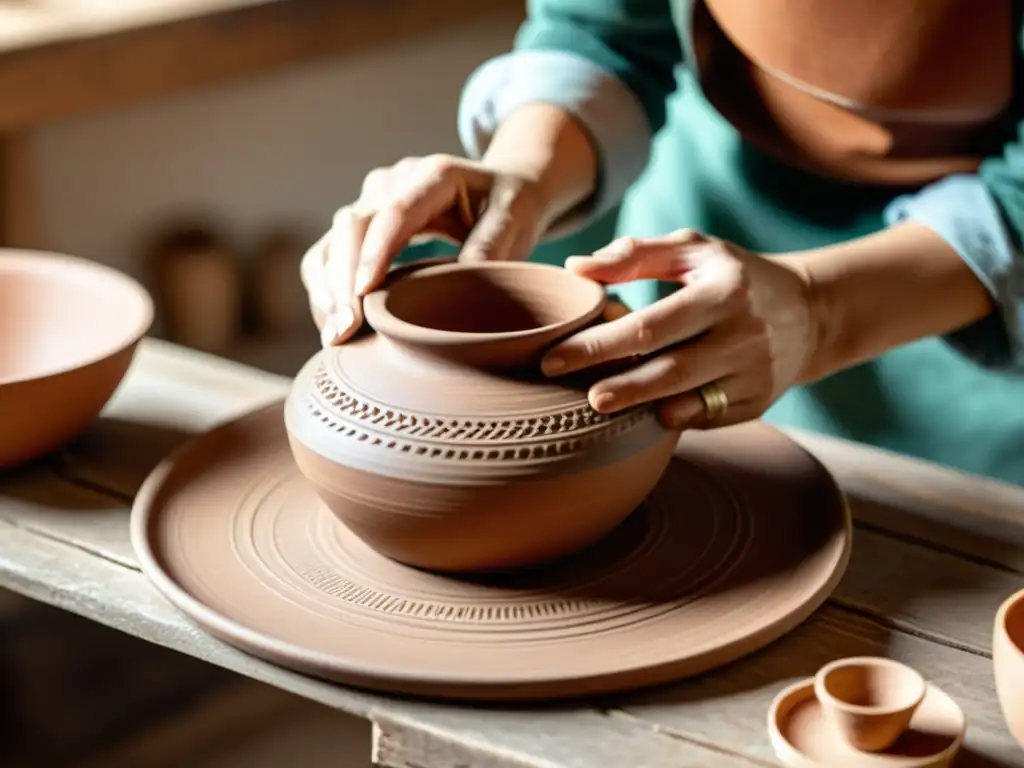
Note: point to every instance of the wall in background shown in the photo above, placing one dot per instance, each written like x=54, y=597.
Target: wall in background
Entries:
x=287, y=148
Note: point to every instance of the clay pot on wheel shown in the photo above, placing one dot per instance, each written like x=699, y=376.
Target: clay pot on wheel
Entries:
x=438, y=442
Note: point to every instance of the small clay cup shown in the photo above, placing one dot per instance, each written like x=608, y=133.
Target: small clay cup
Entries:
x=1008, y=662
x=869, y=700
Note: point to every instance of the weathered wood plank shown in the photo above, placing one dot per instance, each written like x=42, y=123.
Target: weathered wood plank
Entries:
x=38, y=502
x=122, y=598
x=82, y=65
x=909, y=583
x=169, y=395
x=926, y=592
x=403, y=743
x=976, y=516
x=729, y=707
x=230, y=714
x=735, y=697
x=917, y=588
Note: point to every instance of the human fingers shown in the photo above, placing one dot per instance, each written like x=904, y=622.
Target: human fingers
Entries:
x=344, y=244
x=432, y=190
x=682, y=315
x=688, y=410
x=507, y=227
x=729, y=350
x=320, y=272
x=312, y=272
x=627, y=258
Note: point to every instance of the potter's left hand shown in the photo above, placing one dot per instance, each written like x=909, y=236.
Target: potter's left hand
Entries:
x=740, y=320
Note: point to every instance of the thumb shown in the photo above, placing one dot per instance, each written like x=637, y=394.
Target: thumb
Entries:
x=628, y=258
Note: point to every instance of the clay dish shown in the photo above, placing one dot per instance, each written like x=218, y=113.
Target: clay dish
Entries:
x=803, y=736
x=1008, y=662
x=69, y=332
x=869, y=700
x=437, y=441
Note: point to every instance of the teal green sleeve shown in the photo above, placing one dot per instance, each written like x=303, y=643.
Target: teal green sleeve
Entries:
x=636, y=41
x=610, y=63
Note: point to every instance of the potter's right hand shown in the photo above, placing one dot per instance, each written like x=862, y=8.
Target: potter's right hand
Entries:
x=417, y=197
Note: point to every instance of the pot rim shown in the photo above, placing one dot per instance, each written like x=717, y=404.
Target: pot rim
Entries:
x=385, y=323
x=827, y=698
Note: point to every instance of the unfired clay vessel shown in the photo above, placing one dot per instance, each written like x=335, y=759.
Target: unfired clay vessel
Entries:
x=438, y=442
x=67, y=336
x=865, y=712
x=1008, y=662
x=869, y=701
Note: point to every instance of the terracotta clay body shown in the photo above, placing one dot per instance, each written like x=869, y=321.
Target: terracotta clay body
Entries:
x=743, y=537
x=869, y=701
x=437, y=441
x=865, y=713
x=1008, y=662
x=68, y=333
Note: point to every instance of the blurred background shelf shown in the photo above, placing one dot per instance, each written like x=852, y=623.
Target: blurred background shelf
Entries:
x=280, y=355
x=65, y=59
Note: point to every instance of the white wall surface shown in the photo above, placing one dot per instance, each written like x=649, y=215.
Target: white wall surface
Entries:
x=284, y=148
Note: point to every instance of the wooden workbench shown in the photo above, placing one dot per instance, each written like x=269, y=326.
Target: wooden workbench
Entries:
x=935, y=552
x=59, y=59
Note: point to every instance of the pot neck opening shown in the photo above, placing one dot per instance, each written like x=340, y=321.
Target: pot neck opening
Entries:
x=499, y=315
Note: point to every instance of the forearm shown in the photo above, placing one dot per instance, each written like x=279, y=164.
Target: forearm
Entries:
x=878, y=292
x=610, y=64
x=547, y=145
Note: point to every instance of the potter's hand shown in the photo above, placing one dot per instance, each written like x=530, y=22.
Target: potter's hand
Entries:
x=740, y=320
x=493, y=215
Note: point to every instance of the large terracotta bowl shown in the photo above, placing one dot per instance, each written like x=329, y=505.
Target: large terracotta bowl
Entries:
x=1008, y=662
x=68, y=332
x=439, y=444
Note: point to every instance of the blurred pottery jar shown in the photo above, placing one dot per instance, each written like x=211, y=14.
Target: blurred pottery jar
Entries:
x=279, y=302
x=198, y=288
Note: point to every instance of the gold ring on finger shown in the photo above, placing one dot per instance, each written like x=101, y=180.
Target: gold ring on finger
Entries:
x=716, y=402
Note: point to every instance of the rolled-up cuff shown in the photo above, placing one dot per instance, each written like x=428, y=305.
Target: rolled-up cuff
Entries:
x=607, y=109
x=963, y=212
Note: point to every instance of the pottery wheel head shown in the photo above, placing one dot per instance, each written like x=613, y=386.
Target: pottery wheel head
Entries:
x=722, y=558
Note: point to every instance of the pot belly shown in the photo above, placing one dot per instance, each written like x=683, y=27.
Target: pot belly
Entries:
x=487, y=524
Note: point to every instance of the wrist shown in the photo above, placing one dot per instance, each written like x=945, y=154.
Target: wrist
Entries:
x=875, y=293
x=547, y=147
x=823, y=316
